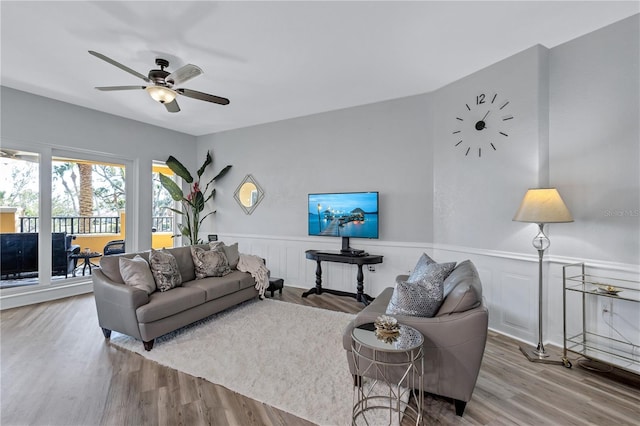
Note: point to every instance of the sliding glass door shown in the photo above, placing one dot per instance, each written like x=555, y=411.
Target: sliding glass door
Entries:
x=19, y=212
x=59, y=212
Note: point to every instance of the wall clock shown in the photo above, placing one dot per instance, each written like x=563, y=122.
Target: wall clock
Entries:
x=482, y=125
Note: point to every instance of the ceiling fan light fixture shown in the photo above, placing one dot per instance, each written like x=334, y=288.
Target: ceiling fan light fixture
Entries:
x=164, y=95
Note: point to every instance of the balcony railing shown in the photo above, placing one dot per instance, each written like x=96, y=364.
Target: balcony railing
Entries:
x=78, y=225
x=162, y=224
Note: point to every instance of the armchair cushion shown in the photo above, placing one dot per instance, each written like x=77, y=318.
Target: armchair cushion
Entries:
x=462, y=289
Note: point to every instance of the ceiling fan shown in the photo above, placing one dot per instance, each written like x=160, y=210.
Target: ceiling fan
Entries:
x=162, y=87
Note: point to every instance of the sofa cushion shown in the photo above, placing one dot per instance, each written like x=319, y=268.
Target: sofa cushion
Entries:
x=185, y=261
x=216, y=287
x=136, y=273
x=164, y=268
x=246, y=280
x=164, y=304
x=209, y=263
x=423, y=297
x=231, y=252
x=462, y=289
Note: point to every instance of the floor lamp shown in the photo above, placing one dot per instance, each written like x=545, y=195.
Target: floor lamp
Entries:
x=541, y=206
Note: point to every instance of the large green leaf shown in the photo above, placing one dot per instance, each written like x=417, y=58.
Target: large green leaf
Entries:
x=222, y=172
x=172, y=187
x=179, y=169
x=212, y=195
x=176, y=210
x=198, y=202
x=208, y=161
x=205, y=216
x=218, y=176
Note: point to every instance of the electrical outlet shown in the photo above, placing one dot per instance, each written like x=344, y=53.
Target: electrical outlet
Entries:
x=212, y=237
x=605, y=307
x=372, y=268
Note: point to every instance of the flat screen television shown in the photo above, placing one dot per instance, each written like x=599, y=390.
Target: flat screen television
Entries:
x=344, y=214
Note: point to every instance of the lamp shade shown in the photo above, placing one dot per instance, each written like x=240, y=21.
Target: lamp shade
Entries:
x=543, y=205
x=161, y=94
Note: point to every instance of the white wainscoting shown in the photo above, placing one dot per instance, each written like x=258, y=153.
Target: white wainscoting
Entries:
x=510, y=280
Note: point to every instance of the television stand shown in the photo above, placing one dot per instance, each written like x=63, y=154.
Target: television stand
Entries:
x=346, y=250
x=341, y=257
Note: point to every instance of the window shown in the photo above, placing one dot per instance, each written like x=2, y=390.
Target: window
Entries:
x=84, y=210
x=20, y=200
x=163, y=220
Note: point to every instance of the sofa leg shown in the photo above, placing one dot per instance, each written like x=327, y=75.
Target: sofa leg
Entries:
x=460, y=406
x=148, y=345
x=106, y=332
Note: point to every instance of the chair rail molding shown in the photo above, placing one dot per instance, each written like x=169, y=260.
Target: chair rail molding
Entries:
x=510, y=279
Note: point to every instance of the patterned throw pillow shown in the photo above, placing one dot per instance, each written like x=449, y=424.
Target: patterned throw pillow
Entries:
x=231, y=252
x=164, y=268
x=136, y=273
x=423, y=297
x=420, y=268
x=209, y=263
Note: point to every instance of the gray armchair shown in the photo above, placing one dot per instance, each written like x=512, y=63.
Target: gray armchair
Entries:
x=454, y=339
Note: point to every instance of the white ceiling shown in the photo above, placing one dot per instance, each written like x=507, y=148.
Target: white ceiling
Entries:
x=273, y=60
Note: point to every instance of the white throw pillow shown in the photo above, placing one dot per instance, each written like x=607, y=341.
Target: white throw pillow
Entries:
x=136, y=273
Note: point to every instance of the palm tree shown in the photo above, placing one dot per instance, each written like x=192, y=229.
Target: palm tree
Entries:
x=85, y=196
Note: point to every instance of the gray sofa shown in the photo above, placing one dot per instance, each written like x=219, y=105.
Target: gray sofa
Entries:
x=131, y=311
x=454, y=339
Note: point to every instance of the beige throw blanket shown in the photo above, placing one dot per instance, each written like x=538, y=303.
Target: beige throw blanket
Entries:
x=258, y=270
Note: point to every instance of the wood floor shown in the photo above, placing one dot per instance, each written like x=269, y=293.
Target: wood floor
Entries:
x=57, y=369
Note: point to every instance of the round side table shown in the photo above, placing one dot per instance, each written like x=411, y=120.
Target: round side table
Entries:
x=393, y=369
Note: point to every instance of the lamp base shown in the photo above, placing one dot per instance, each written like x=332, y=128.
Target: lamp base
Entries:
x=534, y=355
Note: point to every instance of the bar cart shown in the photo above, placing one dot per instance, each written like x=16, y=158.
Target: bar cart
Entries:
x=588, y=339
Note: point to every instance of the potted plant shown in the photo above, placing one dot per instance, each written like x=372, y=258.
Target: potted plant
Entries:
x=194, y=201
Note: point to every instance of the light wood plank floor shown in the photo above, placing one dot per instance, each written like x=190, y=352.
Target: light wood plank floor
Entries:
x=57, y=369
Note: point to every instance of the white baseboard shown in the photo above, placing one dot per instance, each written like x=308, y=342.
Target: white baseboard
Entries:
x=39, y=294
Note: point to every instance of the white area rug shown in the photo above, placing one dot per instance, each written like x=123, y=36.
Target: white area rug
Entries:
x=285, y=355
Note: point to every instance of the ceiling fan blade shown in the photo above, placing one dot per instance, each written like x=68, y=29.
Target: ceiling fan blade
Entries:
x=119, y=65
x=203, y=96
x=108, y=88
x=172, y=106
x=183, y=74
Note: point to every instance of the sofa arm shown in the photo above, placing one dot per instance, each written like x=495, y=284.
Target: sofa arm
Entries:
x=116, y=304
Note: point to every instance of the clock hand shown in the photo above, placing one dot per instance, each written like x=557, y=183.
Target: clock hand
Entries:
x=481, y=124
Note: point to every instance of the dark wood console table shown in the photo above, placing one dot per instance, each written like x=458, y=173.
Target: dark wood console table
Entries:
x=338, y=257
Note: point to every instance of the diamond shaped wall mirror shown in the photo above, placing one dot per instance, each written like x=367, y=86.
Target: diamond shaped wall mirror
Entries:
x=248, y=194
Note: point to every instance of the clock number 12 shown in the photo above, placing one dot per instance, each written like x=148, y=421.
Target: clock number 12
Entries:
x=480, y=99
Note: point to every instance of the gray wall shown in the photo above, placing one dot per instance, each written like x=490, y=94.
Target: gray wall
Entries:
x=575, y=127
x=595, y=149
x=381, y=147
